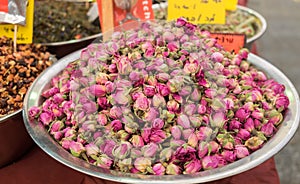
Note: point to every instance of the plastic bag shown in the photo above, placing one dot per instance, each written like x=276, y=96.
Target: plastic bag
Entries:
x=13, y=12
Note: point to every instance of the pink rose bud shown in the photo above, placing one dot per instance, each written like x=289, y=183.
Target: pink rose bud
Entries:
x=116, y=125
x=34, y=112
x=218, y=119
x=217, y=57
x=158, y=123
x=122, y=150
x=254, y=143
x=145, y=133
x=107, y=146
x=192, y=140
x=190, y=109
x=90, y=107
x=176, y=132
x=226, y=140
x=151, y=115
x=102, y=119
x=192, y=167
x=149, y=91
x=163, y=77
x=204, y=133
x=229, y=156
x=158, y=169
x=201, y=109
x=135, y=153
x=268, y=129
x=241, y=151
x=210, y=93
x=173, y=106
x=229, y=103
x=58, y=98
x=176, y=143
x=142, y=163
x=243, y=134
x=196, y=95
x=142, y=103
x=124, y=65
x=213, y=146
x=210, y=162
x=103, y=102
x=115, y=112
x=248, y=106
x=92, y=149
x=104, y=162
x=76, y=148
x=56, y=126
x=46, y=118
x=163, y=89
x=202, y=149
x=152, y=81
x=150, y=150
x=183, y=121
x=65, y=143
x=50, y=92
x=158, y=101
x=282, y=102
x=249, y=125
x=234, y=125
x=109, y=87
x=158, y=136
x=112, y=68
x=173, y=169
x=173, y=46
x=257, y=114
x=137, y=141
x=97, y=90
x=185, y=91
x=242, y=114
x=196, y=121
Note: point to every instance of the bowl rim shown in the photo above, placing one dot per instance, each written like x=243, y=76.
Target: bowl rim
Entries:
x=272, y=147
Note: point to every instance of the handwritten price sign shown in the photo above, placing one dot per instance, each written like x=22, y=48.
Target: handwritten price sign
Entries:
x=197, y=11
x=25, y=33
x=230, y=42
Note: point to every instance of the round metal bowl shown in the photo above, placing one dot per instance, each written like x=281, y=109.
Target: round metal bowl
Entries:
x=14, y=139
x=261, y=27
x=274, y=145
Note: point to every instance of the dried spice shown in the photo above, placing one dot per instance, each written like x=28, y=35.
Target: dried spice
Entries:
x=57, y=21
x=17, y=71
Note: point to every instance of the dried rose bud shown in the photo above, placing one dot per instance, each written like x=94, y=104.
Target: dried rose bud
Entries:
x=183, y=121
x=141, y=103
x=90, y=107
x=163, y=77
x=46, y=118
x=92, y=149
x=34, y=112
x=196, y=95
x=226, y=140
x=109, y=87
x=185, y=91
x=163, y=89
x=196, y=121
x=234, y=125
x=149, y=91
x=254, y=143
x=137, y=141
x=116, y=125
x=190, y=109
x=243, y=134
x=204, y=133
x=166, y=154
x=151, y=115
x=176, y=132
x=157, y=123
x=50, y=92
x=173, y=169
x=102, y=119
x=76, y=148
x=249, y=125
x=242, y=114
x=150, y=150
x=142, y=164
x=192, y=167
x=115, y=112
x=268, y=129
x=58, y=98
x=257, y=114
x=173, y=106
x=122, y=150
x=210, y=162
x=202, y=149
x=218, y=119
x=217, y=57
x=103, y=102
x=158, y=136
x=56, y=126
x=158, y=101
x=213, y=147
x=229, y=156
x=192, y=140
x=106, y=146
x=158, y=169
x=104, y=161
x=282, y=102
x=241, y=151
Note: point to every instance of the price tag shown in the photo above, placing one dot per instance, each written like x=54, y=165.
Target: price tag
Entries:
x=230, y=42
x=25, y=33
x=230, y=4
x=197, y=11
x=4, y=6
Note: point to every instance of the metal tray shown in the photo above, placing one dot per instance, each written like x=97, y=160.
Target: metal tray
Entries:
x=273, y=146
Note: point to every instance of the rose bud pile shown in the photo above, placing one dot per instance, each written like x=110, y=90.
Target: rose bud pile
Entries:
x=163, y=99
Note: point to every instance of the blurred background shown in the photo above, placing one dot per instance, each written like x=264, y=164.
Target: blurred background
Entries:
x=280, y=46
